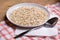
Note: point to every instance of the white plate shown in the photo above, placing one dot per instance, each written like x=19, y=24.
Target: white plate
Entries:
x=21, y=5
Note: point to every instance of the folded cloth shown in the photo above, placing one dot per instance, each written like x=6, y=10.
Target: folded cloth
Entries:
x=39, y=32
x=7, y=32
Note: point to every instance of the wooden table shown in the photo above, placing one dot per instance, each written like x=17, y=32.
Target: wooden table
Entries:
x=5, y=4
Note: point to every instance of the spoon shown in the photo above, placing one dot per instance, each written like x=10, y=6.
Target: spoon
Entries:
x=49, y=24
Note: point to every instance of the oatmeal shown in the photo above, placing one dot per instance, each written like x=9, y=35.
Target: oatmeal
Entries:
x=28, y=16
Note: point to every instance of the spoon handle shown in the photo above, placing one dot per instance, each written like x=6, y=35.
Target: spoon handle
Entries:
x=20, y=35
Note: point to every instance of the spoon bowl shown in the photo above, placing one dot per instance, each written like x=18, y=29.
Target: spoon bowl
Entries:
x=51, y=22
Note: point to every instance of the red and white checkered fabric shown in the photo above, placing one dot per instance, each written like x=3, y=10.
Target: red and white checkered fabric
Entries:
x=7, y=33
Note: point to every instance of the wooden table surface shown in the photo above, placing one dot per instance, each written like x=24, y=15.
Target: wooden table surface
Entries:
x=5, y=4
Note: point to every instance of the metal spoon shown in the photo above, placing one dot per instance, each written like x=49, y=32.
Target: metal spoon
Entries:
x=50, y=23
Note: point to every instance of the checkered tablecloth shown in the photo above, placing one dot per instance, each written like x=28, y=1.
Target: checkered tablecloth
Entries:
x=7, y=32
